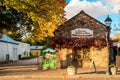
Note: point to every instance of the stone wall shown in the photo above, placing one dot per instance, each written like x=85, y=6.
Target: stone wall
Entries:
x=64, y=58
x=99, y=56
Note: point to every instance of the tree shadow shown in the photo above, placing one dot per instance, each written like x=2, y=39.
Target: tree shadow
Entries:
x=13, y=70
x=98, y=72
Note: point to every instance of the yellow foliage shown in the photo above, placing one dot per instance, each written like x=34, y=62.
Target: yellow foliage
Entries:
x=45, y=14
x=117, y=37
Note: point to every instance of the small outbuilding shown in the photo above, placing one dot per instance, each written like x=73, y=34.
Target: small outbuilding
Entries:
x=36, y=50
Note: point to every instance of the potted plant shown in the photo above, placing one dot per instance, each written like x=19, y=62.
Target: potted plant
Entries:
x=113, y=69
x=71, y=70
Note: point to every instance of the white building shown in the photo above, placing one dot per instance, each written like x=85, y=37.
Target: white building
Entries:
x=10, y=49
x=23, y=48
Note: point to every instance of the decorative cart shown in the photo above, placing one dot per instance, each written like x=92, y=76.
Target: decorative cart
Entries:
x=49, y=59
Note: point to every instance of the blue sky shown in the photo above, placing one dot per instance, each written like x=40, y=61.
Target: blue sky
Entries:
x=98, y=9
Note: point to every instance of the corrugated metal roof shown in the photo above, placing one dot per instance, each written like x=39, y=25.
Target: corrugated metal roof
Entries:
x=36, y=47
x=8, y=39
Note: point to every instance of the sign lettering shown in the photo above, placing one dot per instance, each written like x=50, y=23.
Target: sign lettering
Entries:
x=82, y=33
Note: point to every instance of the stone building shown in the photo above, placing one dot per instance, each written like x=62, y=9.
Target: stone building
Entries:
x=81, y=37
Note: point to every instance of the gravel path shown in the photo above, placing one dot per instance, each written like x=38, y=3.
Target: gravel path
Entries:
x=32, y=73
x=22, y=62
x=28, y=70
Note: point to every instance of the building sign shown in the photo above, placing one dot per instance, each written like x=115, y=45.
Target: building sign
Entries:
x=82, y=33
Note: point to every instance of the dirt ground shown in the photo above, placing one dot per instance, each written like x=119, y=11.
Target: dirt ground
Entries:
x=31, y=72
x=28, y=70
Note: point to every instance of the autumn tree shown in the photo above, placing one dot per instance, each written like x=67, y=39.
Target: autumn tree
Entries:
x=117, y=37
x=46, y=15
x=9, y=20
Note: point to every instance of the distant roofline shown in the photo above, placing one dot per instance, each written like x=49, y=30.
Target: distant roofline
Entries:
x=9, y=42
x=7, y=39
x=36, y=47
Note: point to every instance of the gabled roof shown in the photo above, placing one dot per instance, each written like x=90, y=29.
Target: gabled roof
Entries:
x=8, y=39
x=82, y=20
x=82, y=12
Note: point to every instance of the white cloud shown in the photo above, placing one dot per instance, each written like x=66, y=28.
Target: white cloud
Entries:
x=115, y=4
x=95, y=9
